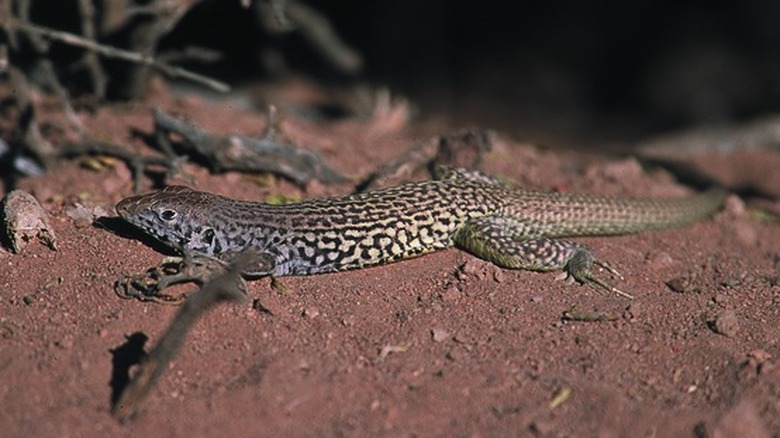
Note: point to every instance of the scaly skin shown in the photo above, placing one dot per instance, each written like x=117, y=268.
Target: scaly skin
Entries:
x=512, y=227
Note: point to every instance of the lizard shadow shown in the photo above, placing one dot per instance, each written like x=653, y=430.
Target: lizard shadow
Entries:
x=130, y=353
x=121, y=228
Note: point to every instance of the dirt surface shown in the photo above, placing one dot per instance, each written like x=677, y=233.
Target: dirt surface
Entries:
x=444, y=345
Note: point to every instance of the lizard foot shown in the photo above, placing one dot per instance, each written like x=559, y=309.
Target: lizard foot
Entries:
x=579, y=268
x=150, y=285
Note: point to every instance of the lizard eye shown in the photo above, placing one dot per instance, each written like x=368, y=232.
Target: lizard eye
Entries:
x=167, y=215
x=208, y=236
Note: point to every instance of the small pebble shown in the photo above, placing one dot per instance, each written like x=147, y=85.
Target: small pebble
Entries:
x=746, y=233
x=682, y=285
x=726, y=323
x=440, y=335
x=311, y=313
x=80, y=215
x=760, y=356
x=735, y=205
x=451, y=294
x=477, y=268
x=622, y=170
x=498, y=274
x=659, y=259
x=720, y=298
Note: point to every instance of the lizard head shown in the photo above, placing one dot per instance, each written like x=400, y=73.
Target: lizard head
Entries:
x=177, y=216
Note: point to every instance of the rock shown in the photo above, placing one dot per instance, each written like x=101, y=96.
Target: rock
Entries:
x=25, y=220
x=726, y=323
x=440, y=334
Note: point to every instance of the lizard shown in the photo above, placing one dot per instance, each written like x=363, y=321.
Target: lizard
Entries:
x=510, y=226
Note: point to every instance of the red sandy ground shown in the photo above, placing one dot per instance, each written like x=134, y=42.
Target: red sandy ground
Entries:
x=427, y=347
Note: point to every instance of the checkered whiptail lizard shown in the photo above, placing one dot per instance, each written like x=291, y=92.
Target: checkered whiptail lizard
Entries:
x=512, y=227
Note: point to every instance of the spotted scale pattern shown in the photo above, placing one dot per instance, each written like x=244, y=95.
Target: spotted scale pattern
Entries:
x=513, y=227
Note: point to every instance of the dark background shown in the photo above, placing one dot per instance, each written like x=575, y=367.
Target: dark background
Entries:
x=597, y=71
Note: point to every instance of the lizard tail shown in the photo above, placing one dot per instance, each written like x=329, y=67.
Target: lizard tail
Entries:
x=582, y=215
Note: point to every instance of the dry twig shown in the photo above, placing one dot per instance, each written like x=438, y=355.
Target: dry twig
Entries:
x=246, y=154
x=13, y=24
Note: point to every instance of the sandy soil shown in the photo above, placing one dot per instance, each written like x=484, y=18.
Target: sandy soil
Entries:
x=444, y=345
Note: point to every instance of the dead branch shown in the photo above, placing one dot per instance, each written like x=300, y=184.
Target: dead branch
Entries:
x=13, y=24
x=47, y=73
x=282, y=16
x=246, y=154
x=320, y=33
x=90, y=59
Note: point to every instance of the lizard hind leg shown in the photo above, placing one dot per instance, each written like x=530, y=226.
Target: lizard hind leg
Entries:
x=511, y=244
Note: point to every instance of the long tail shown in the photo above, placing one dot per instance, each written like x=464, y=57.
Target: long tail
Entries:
x=596, y=215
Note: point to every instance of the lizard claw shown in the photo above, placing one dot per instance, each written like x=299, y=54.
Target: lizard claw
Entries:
x=609, y=268
x=579, y=268
x=589, y=278
x=171, y=271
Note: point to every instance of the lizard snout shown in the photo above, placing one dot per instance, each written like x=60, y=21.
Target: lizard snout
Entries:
x=129, y=206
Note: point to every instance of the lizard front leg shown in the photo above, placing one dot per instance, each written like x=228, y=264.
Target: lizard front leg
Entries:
x=197, y=269
x=150, y=285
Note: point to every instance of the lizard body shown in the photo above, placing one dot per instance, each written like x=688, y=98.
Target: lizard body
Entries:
x=512, y=227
